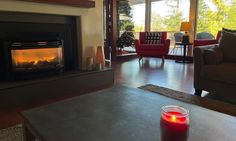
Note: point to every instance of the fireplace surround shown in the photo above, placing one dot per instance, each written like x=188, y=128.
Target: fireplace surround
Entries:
x=80, y=34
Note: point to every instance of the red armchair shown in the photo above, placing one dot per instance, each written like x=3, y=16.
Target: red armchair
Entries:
x=203, y=42
x=152, y=44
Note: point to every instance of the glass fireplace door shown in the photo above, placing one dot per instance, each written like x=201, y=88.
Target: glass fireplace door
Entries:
x=26, y=59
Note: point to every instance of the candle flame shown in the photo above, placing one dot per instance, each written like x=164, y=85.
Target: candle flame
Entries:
x=173, y=118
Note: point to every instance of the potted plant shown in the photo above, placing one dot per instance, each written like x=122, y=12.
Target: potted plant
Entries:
x=127, y=37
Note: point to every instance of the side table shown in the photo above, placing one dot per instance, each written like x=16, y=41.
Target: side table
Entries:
x=184, y=60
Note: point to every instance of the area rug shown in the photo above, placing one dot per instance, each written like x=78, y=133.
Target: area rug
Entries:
x=206, y=102
x=15, y=133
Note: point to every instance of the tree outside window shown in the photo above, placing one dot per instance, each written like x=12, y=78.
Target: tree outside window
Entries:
x=213, y=15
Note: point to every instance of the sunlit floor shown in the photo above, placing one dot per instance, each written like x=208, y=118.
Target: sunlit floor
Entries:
x=169, y=74
x=176, y=51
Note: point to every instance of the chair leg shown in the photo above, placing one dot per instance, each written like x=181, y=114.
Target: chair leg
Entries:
x=172, y=51
x=140, y=58
x=198, y=92
x=163, y=58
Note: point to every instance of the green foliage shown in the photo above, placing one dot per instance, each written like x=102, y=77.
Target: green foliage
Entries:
x=173, y=21
x=129, y=27
x=157, y=22
x=209, y=20
x=230, y=21
x=213, y=20
x=138, y=28
x=126, y=39
x=169, y=23
x=125, y=11
x=124, y=8
x=126, y=25
x=175, y=17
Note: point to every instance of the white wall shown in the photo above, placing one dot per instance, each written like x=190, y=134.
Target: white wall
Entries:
x=92, y=30
x=91, y=20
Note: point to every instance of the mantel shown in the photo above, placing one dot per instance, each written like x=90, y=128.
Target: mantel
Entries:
x=76, y=3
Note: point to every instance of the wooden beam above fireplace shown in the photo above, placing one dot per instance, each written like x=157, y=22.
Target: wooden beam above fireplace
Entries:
x=76, y=3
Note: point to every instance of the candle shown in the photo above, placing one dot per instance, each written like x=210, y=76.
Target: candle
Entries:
x=174, y=123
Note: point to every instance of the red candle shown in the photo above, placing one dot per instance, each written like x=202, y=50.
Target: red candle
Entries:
x=174, y=123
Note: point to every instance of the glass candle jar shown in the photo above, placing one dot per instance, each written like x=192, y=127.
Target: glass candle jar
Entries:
x=174, y=123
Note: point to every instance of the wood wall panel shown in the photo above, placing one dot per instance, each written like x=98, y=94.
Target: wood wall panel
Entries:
x=77, y=3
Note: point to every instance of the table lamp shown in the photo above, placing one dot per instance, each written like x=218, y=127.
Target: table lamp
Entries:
x=186, y=26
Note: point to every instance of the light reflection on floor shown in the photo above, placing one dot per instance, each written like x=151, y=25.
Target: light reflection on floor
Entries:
x=169, y=74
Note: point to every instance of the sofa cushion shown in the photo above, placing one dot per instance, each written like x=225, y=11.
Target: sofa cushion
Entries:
x=153, y=37
x=224, y=72
x=228, y=46
x=213, y=56
x=151, y=47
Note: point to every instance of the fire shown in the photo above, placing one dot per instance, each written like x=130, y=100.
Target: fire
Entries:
x=173, y=118
x=35, y=56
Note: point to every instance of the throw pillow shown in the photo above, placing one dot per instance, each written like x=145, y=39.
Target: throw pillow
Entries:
x=228, y=46
x=153, y=37
x=213, y=56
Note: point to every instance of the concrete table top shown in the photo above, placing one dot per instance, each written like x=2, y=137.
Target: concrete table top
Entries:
x=120, y=114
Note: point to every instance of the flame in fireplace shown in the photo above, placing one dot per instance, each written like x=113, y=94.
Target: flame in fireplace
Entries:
x=28, y=57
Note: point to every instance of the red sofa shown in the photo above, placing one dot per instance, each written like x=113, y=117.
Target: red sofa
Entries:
x=159, y=48
x=203, y=42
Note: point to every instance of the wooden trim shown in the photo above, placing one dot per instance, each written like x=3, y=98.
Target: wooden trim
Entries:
x=148, y=15
x=76, y=3
x=111, y=28
x=114, y=10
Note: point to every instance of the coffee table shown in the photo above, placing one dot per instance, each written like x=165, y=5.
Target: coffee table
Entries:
x=120, y=114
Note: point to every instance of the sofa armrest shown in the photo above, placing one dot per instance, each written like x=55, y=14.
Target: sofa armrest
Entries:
x=205, y=42
x=198, y=54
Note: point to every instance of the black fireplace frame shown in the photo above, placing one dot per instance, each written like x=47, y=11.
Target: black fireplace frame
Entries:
x=31, y=45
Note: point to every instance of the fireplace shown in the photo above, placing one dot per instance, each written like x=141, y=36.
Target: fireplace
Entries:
x=32, y=59
x=36, y=56
x=41, y=45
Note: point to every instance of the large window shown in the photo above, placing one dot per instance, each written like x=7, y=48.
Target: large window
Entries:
x=138, y=11
x=167, y=15
x=132, y=13
x=131, y=22
x=215, y=14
